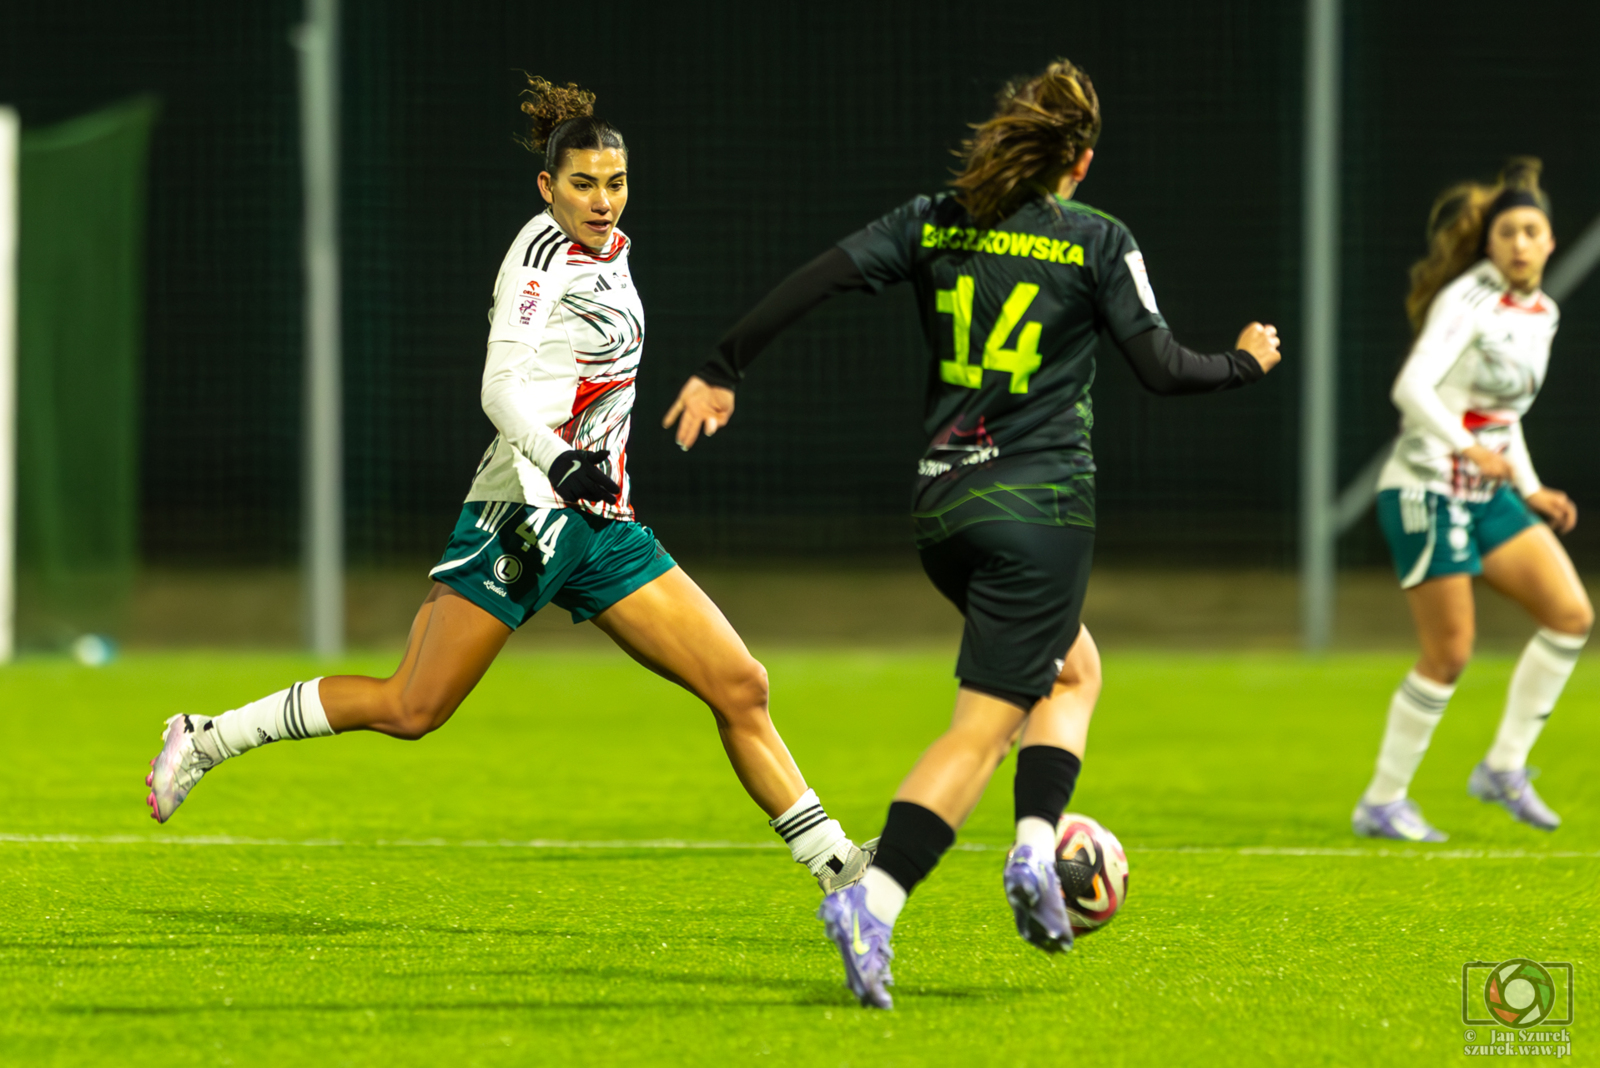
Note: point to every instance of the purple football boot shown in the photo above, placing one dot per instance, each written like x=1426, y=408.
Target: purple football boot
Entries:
x=1512, y=791
x=1034, y=890
x=1400, y=819
x=863, y=942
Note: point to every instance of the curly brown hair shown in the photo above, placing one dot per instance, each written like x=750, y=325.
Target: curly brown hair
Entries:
x=1040, y=128
x=1456, y=232
x=562, y=119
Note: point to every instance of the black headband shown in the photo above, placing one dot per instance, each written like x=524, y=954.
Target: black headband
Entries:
x=1508, y=199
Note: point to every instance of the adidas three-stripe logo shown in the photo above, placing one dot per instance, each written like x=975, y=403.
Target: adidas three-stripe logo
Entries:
x=542, y=249
x=492, y=515
x=1564, y=652
x=1425, y=701
x=294, y=714
x=801, y=822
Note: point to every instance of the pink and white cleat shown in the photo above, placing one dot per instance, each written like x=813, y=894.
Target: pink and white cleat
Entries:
x=179, y=765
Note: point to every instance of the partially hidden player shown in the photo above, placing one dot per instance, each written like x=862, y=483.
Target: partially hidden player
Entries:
x=1014, y=282
x=548, y=518
x=1459, y=494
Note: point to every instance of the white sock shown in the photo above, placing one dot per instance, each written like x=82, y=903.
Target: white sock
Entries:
x=1536, y=684
x=293, y=713
x=1414, y=710
x=814, y=839
x=1033, y=831
x=885, y=897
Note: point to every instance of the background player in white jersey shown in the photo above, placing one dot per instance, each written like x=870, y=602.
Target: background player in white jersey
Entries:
x=548, y=518
x=1455, y=498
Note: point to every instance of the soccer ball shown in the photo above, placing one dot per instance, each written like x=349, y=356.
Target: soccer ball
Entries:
x=1093, y=870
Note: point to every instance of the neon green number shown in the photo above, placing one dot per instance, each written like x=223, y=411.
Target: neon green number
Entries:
x=1019, y=362
x=957, y=303
x=1023, y=360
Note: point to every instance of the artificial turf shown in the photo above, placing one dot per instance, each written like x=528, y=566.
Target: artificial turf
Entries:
x=363, y=901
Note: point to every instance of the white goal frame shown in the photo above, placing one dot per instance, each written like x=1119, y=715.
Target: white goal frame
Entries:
x=10, y=200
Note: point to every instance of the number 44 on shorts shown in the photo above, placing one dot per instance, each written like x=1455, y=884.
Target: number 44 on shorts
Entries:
x=538, y=530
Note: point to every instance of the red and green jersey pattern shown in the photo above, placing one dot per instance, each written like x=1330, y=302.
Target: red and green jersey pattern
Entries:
x=1011, y=314
x=576, y=325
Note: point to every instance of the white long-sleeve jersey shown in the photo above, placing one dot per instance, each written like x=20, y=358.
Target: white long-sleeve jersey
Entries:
x=1472, y=375
x=565, y=336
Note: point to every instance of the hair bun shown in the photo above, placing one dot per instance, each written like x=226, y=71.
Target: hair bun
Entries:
x=550, y=105
x=1522, y=172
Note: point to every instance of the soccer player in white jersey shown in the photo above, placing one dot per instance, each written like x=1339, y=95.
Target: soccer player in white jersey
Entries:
x=548, y=518
x=1459, y=495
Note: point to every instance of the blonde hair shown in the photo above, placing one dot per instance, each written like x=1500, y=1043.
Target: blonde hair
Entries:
x=1040, y=128
x=1456, y=231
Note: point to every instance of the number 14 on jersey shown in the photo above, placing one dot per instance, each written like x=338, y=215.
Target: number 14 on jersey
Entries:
x=1021, y=361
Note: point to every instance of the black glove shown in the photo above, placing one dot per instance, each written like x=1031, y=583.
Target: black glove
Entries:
x=578, y=476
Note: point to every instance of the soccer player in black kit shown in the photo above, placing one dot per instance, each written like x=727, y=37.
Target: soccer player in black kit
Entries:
x=1015, y=281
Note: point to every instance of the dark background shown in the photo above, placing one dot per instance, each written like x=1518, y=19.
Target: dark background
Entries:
x=759, y=134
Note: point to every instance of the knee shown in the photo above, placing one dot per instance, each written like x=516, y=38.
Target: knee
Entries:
x=412, y=717
x=1446, y=661
x=742, y=693
x=1081, y=669
x=1576, y=619
x=996, y=746
x=988, y=737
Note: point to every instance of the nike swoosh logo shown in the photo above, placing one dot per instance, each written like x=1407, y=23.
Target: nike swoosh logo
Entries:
x=575, y=465
x=855, y=936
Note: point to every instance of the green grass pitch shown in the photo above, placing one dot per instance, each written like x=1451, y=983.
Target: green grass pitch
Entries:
x=365, y=901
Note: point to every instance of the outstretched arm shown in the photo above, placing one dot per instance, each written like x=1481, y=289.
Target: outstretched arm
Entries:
x=706, y=401
x=1167, y=368
x=829, y=274
x=1126, y=303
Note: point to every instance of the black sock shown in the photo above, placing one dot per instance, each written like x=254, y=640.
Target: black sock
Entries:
x=913, y=840
x=1045, y=778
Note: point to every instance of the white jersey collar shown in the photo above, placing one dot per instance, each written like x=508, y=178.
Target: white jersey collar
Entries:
x=614, y=244
x=1486, y=270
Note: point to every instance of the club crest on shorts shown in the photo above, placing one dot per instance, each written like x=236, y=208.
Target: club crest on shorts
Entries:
x=508, y=569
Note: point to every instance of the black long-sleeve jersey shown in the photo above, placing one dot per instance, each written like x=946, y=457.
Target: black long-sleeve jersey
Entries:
x=1011, y=316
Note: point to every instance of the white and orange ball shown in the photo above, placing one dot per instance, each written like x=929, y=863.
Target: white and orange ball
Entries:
x=1094, y=872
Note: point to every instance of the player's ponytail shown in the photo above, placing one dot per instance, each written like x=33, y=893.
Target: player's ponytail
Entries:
x=1458, y=229
x=562, y=119
x=1041, y=127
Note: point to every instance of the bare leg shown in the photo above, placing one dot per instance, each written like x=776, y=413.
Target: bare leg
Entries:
x=1443, y=611
x=950, y=777
x=1535, y=571
x=1062, y=719
x=452, y=644
x=671, y=627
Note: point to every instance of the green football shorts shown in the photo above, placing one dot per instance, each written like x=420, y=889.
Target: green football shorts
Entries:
x=1431, y=534
x=512, y=559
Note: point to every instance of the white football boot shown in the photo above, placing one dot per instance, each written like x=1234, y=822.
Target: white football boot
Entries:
x=852, y=866
x=179, y=765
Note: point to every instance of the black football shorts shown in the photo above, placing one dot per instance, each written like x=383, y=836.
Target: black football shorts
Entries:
x=1020, y=587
